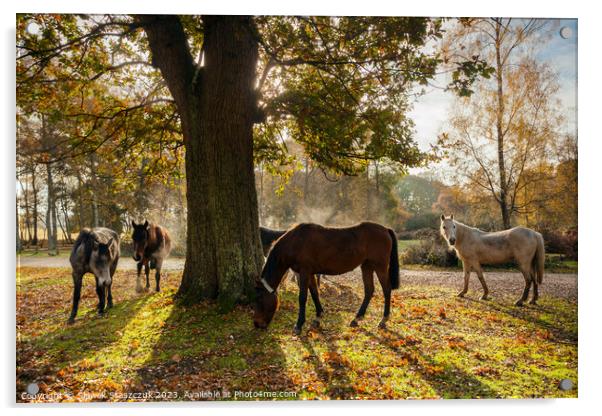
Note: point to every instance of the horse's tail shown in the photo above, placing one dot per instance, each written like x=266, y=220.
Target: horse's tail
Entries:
x=539, y=259
x=394, y=262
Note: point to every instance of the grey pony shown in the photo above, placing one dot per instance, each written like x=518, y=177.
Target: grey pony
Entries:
x=95, y=251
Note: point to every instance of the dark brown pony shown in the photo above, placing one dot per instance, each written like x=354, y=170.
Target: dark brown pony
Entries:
x=268, y=237
x=152, y=245
x=310, y=249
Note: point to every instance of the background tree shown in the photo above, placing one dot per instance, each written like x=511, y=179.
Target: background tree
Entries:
x=502, y=134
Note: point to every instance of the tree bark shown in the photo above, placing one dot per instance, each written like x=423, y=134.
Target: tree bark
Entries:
x=217, y=105
x=93, y=191
x=503, y=199
x=34, y=191
x=25, y=190
x=51, y=214
x=18, y=245
x=80, y=202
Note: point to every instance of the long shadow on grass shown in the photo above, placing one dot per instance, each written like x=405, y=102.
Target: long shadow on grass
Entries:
x=528, y=313
x=332, y=369
x=449, y=381
x=71, y=343
x=202, y=350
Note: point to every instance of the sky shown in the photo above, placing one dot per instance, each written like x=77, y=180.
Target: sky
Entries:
x=431, y=110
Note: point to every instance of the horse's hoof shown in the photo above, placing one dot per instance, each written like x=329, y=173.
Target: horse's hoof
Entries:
x=461, y=294
x=139, y=289
x=146, y=288
x=296, y=331
x=315, y=323
x=533, y=302
x=518, y=303
x=70, y=321
x=382, y=325
x=354, y=324
x=109, y=306
x=485, y=297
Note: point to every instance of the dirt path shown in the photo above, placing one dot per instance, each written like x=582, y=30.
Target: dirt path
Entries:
x=500, y=283
x=125, y=263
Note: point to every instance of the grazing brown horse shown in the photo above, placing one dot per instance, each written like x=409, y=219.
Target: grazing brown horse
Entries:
x=268, y=237
x=152, y=245
x=310, y=249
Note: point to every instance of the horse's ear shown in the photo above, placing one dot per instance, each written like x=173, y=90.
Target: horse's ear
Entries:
x=145, y=224
x=452, y=216
x=95, y=245
x=110, y=242
x=133, y=224
x=442, y=217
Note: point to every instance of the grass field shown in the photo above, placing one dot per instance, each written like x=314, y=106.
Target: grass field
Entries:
x=436, y=345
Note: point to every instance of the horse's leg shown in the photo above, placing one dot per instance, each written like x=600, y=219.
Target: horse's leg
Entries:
x=109, y=294
x=482, y=280
x=315, y=296
x=466, y=268
x=303, y=286
x=100, y=291
x=147, y=272
x=385, y=283
x=139, y=270
x=535, y=288
x=77, y=289
x=368, y=292
x=527, y=275
x=158, y=266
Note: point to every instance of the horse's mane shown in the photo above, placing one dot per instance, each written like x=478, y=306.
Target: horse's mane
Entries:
x=86, y=238
x=469, y=226
x=271, y=266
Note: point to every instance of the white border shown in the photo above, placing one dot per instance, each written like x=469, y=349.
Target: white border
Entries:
x=589, y=199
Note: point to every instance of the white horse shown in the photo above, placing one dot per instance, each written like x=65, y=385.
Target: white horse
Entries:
x=475, y=248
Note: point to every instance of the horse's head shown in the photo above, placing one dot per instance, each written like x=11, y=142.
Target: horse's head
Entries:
x=140, y=239
x=266, y=305
x=448, y=229
x=101, y=258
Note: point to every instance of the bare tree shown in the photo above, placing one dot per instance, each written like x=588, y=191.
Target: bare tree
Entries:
x=503, y=130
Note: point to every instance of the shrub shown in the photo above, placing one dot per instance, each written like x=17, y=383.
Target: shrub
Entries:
x=426, y=220
x=564, y=243
x=420, y=234
x=405, y=235
x=430, y=252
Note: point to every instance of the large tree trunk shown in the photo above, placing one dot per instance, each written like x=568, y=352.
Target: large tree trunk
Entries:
x=217, y=106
